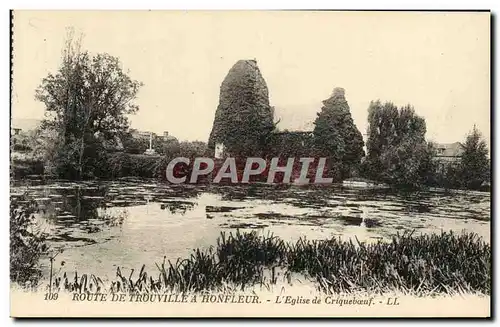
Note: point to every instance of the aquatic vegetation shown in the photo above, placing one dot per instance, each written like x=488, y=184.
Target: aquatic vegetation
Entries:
x=442, y=263
x=27, y=243
x=426, y=264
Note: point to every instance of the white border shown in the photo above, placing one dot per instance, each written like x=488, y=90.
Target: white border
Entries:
x=255, y=4
x=192, y=4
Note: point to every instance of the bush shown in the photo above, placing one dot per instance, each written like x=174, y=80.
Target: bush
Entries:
x=474, y=162
x=27, y=243
x=447, y=175
x=408, y=164
x=121, y=164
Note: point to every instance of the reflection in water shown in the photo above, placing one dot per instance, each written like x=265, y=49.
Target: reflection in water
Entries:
x=177, y=207
x=127, y=224
x=363, y=219
x=360, y=221
x=80, y=204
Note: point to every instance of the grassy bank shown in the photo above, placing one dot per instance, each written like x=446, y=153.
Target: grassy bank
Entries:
x=443, y=263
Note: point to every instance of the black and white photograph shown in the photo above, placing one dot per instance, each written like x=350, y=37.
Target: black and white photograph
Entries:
x=250, y=163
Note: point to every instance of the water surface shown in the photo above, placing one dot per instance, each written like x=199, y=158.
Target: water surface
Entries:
x=105, y=225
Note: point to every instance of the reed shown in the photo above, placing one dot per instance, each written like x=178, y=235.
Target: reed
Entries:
x=426, y=264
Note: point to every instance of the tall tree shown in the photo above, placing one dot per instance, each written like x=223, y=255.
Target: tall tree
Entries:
x=243, y=119
x=397, y=150
x=336, y=136
x=86, y=102
x=474, y=162
x=381, y=127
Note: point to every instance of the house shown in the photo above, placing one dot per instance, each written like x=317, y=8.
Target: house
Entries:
x=23, y=125
x=295, y=118
x=448, y=152
x=140, y=134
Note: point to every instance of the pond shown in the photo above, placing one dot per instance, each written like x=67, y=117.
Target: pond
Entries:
x=105, y=225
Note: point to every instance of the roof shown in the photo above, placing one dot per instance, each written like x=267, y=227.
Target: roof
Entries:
x=296, y=118
x=449, y=149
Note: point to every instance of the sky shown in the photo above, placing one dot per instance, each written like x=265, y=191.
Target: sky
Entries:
x=437, y=62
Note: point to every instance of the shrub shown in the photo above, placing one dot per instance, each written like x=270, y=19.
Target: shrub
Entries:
x=122, y=164
x=27, y=243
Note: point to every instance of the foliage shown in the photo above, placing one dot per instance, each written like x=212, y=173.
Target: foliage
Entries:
x=397, y=151
x=192, y=149
x=447, y=175
x=121, y=164
x=243, y=119
x=27, y=243
x=134, y=145
x=440, y=263
x=138, y=144
x=336, y=136
x=474, y=162
x=287, y=144
x=30, y=152
x=408, y=164
x=20, y=143
x=86, y=102
x=437, y=263
x=114, y=164
x=472, y=169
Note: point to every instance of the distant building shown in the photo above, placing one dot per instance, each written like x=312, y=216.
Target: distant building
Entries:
x=295, y=131
x=25, y=124
x=295, y=119
x=140, y=134
x=448, y=152
x=20, y=126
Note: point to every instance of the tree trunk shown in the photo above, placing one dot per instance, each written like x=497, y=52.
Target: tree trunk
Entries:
x=80, y=158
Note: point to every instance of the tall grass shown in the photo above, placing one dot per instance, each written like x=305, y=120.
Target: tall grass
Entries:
x=436, y=263
x=442, y=263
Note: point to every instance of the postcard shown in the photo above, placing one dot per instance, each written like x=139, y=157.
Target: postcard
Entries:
x=250, y=164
